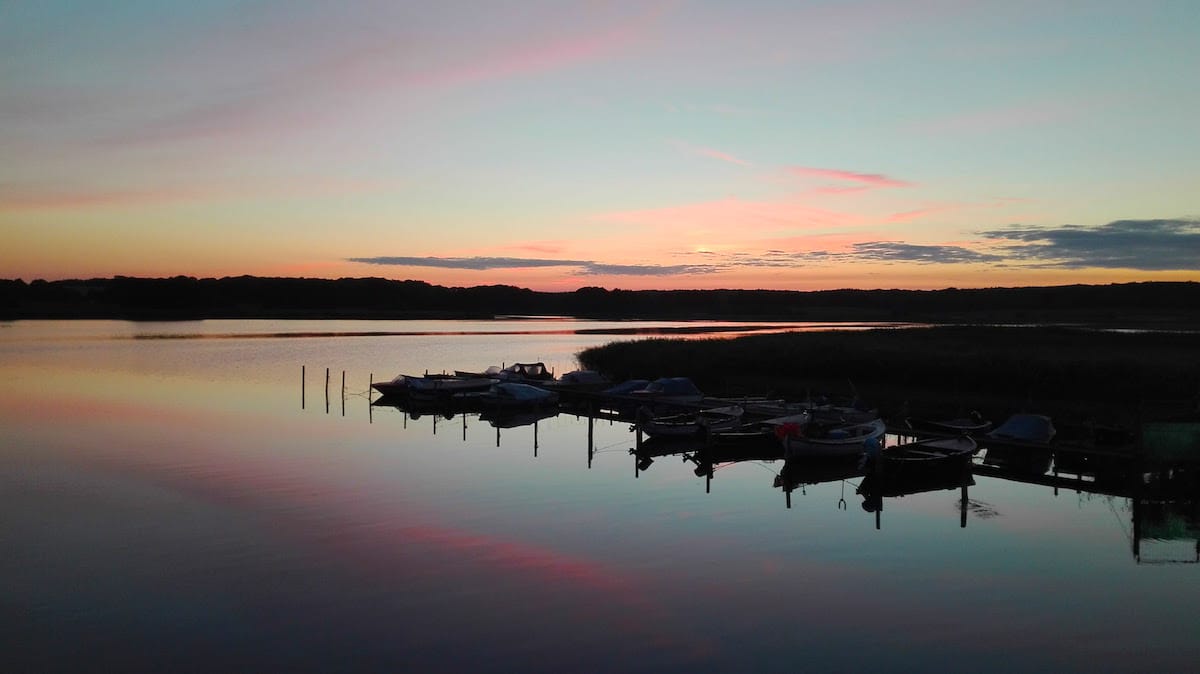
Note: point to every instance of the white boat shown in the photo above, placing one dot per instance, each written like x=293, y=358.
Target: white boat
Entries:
x=440, y=387
x=821, y=438
x=517, y=372
x=398, y=386
x=692, y=423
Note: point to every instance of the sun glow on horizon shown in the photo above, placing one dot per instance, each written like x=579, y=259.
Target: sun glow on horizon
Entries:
x=621, y=144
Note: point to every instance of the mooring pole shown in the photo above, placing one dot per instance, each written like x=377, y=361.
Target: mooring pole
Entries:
x=343, y=393
x=370, y=407
x=301, y=387
x=962, y=516
x=591, y=433
x=326, y=390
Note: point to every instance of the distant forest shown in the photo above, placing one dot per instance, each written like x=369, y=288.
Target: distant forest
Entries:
x=186, y=298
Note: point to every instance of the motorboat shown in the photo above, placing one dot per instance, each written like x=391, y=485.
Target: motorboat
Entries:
x=435, y=387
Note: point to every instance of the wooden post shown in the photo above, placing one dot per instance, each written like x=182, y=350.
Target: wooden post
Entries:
x=370, y=407
x=535, y=442
x=497, y=436
x=301, y=387
x=464, y=417
x=343, y=393
x=962, y=517
x=326, y=390
x=591, y=433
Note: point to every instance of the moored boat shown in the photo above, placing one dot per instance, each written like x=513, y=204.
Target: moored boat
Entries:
x=829, y=437
x=940, y=454
x=1020, y=445
x=513, y=395
x=517, y=372
x=439, y=387
x=693, y=423
x=399, y=385
x=972, y=424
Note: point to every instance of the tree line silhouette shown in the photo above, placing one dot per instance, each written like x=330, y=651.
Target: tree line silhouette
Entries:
x=183, y=297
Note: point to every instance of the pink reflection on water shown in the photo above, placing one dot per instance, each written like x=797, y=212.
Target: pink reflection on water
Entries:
x=308, y=505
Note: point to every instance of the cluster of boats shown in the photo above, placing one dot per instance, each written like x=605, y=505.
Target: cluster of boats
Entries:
x=520, y=385
x=673, y=409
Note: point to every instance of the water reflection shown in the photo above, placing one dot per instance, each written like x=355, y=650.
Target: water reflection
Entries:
x=170, y=507
x=1163, y=496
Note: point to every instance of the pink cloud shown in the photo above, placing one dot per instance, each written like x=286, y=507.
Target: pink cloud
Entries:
x=283, y=99
x=870, y=180
x=842, y=189
x=546, y=55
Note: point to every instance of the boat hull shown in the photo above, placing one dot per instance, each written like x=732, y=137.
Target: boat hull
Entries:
x=844, y=441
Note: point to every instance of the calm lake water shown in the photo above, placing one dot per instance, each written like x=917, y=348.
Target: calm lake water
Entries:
x=169, y=505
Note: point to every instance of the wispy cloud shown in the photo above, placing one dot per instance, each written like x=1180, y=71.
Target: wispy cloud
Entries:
x=1149, y=245
x=918, y=213
x=895, y=251
x=711, y=153
x=12, y=199
x=864, y=252
x=380, y=59
x=586, y=267
x=598, y=269
x=1153, y=245
x=867, y=180
x=476, y=263
x=15, y=198
x=1021, y=115
x=552, y=54
x=733, y=215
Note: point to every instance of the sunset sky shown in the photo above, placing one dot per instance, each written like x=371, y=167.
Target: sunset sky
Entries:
x=553, y=145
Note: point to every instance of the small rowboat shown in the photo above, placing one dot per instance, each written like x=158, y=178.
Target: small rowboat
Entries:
x=695, y=423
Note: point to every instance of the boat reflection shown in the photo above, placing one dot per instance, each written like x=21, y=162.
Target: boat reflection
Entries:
x=706, y=456
x=1155, y=474
x=516, y=418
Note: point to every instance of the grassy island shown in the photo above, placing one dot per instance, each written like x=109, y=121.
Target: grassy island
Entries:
x=1082, y=374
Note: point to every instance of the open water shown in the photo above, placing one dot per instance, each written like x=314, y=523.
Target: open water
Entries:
x=172, y=500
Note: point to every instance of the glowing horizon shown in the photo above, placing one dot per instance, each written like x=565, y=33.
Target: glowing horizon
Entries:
x=624, y=145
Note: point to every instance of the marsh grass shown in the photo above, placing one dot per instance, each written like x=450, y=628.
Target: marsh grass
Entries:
x=1083, y=374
